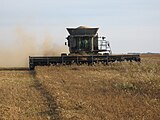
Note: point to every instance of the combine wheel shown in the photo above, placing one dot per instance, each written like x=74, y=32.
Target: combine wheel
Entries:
x=63, y=54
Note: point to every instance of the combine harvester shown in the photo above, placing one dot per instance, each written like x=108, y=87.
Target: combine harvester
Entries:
x=85, y=46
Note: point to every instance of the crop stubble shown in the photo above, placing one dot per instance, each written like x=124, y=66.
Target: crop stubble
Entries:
x=118, y=91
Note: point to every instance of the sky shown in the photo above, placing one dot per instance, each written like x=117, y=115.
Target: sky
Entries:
x=129, y=25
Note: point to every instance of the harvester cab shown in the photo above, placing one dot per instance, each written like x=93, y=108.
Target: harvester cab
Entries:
x=86, y=40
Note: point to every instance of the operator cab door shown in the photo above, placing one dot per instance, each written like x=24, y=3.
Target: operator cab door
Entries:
x=84, y=44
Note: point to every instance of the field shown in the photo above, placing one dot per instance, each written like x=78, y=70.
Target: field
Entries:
x=119, y=91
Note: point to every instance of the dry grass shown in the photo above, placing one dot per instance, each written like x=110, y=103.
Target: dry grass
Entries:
x=120, y=91
x=19, y=98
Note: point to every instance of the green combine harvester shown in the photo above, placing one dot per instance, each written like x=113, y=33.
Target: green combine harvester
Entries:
x=85, y=47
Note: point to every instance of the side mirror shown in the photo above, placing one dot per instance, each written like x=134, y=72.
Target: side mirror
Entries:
x=103, y=38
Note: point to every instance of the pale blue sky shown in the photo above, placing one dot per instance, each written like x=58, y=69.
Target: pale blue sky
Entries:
x=130, y=25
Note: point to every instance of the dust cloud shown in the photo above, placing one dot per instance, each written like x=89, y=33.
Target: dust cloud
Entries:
x=25, y=45
x=50, y=48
